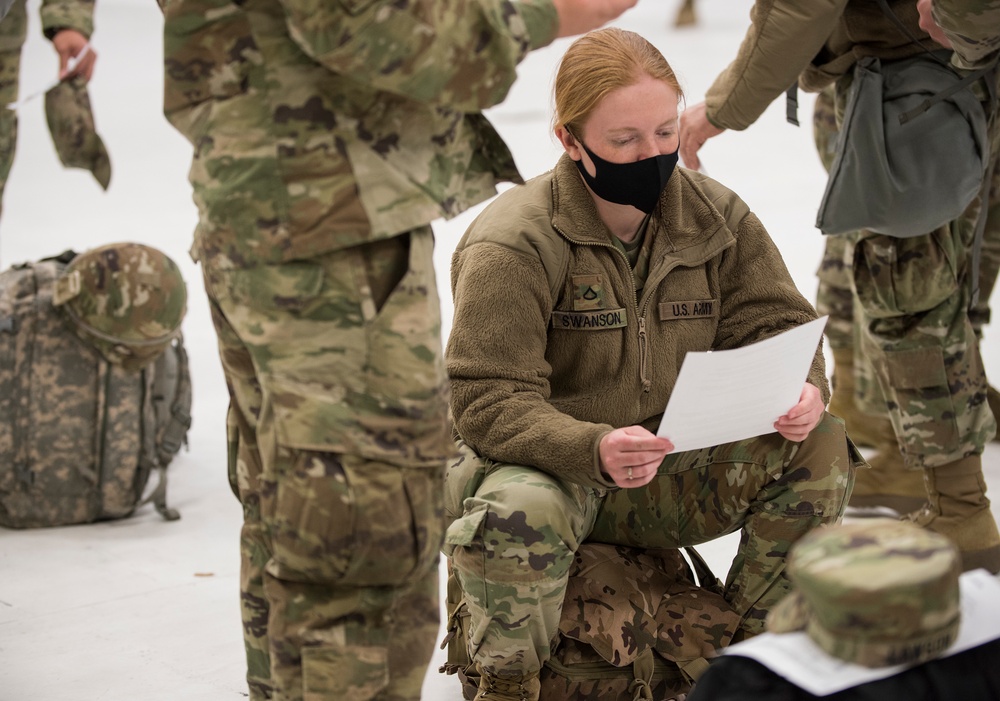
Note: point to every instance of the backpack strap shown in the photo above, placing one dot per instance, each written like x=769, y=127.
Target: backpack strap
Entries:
x=158, y=496
x=792, y=104
x=642, y=669
x=175, y=433
x=706, y=578
x=977, y=239
x=158, y=452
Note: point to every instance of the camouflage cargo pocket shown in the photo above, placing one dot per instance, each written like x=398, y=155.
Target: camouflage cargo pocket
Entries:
x=919, y=386
x=340, y=519
x=895, y=277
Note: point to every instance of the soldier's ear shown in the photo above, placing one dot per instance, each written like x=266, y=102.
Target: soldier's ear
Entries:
x=569, y=142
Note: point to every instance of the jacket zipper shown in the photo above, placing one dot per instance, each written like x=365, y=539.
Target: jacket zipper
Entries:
x=647, y=383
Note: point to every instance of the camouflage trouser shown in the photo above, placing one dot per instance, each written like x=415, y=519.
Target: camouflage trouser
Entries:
x=13, y=31
x=849, y=318
x=338, y=436
x=916, y=330
x=516, y=529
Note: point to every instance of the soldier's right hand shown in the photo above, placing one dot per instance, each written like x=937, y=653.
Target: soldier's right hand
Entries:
x=70, y=44
x=630, y=456
x=580, y=16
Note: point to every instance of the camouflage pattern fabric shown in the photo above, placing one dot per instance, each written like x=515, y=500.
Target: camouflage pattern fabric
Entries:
x=126, y=299
x=513, y=547
x=327, y=136
x=13, y=33
x=656, y=605
x=337, y=418
x=916, y=330
x=71, y=124
x=833, y=295
x=875, y=593
x=972, y=26
x=622, y=606
x=846, y=329
x=326, y=125
x=72, y=14
x=79, y=437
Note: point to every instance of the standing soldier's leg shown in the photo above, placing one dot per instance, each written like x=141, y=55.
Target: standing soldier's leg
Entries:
x=915, y=299
x=989, y=267
x=773, y=490
x=13, y=31
x=352, y=436
x=887, y=483
x=511, y=548
x=244, y=479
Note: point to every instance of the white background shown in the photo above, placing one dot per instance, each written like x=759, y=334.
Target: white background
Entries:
x=144, y=609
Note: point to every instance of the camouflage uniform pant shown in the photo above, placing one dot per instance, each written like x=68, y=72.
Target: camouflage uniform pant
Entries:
x=338, y=437
x=516, y=529
x=914, y=336
x=13, y=32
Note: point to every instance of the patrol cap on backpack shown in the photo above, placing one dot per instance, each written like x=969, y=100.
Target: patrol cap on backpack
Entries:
x=125, y=299
x=877, y=593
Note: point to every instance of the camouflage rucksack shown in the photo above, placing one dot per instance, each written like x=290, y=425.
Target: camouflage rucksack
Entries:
x=88, y=410
x=636, y=625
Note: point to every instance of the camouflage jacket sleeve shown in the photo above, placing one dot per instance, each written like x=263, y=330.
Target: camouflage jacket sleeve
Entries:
x=67, y=14
x=972, y=26
x=462, y=53
x=783, y=38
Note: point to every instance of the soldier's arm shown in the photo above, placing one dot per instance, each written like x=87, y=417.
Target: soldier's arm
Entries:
x=67, y=14
x=972, y=27
x=462, y=53
x=69, y=24
x=783, y=38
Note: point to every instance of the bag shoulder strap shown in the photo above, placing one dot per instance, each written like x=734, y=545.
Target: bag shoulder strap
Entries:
x=175, y=433
x=706, y=578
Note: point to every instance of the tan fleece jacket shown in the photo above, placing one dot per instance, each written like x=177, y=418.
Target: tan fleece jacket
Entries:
x=550, y=350
x=812, y=42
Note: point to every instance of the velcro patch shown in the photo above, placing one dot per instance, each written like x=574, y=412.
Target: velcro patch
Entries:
x=590, y=321
x=588, y=292
x=689, y=309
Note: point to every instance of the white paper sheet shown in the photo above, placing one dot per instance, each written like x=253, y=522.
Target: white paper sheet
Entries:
x=732, y=395
x=799, y=660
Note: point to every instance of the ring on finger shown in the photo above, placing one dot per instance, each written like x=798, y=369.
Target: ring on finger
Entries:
x=630, y=473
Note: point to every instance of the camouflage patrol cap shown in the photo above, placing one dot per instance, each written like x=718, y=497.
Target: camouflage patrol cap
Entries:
x=125, y=299
x=877, y=593
x=71, y=125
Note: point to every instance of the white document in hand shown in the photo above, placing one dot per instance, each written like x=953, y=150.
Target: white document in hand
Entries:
x=732, y=395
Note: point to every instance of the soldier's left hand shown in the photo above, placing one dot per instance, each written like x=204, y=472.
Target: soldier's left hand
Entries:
x=803, y=417
x=70, y=43
x=695, y=131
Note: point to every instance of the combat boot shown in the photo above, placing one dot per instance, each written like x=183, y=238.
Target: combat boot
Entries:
x=866, y=430
x=512, y=689
x=959, y=509
x=888, y=483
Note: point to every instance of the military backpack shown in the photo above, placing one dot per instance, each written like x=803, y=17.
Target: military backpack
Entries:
x=636, y=625
x=95, y=388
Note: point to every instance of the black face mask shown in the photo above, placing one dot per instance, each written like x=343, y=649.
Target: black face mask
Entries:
x=638, y=183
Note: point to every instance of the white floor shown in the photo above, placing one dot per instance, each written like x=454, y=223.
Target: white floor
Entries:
x=144, y=609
